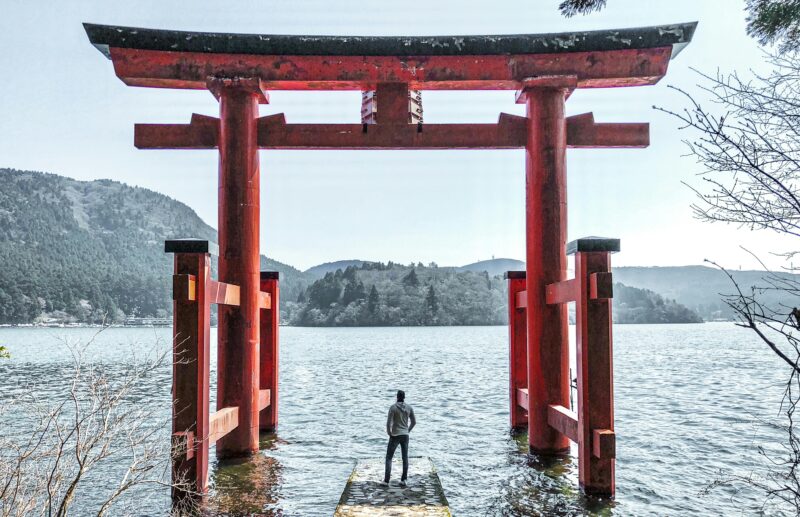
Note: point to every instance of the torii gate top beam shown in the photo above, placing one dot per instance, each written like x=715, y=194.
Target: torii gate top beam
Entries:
x=177, y=59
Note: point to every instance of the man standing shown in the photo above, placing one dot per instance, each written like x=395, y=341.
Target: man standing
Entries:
x=398, y=425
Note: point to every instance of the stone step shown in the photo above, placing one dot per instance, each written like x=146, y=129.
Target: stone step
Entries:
x=365, y=496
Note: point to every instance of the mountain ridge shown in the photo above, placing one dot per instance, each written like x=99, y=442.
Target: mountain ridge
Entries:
x=90, y=251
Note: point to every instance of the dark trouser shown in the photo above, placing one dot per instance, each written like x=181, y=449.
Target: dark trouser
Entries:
x=394, y=441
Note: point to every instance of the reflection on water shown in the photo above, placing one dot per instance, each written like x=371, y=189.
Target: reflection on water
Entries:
x=687, y=401
x=247, y=486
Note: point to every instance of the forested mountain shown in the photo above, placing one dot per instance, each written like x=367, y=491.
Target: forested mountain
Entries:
x=495, y=266
x=395, y=295
x=88, y=251
x=701, y=288
x=633, y=305
x=317, y=272
x=81, y=251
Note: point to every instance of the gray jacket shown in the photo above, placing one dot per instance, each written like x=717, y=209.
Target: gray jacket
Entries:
x=401, y=419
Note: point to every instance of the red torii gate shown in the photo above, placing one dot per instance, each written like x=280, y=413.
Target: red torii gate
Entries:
x=239, y=69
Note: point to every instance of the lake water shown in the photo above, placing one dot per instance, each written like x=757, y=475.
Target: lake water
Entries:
x=689, y=402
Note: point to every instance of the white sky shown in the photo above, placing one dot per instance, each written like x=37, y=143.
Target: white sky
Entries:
x=62, y=110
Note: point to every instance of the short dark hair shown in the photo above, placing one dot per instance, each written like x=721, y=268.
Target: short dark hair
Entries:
x=401, y=395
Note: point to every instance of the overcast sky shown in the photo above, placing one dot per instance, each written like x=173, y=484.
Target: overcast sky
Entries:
x=64, y=111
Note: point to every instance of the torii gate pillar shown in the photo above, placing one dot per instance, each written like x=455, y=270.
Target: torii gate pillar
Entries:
x=239, y=259
x=546, y=255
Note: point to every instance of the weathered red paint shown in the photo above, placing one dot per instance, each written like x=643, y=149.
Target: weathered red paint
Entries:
x=564, y=420
x=274, y=133
x=562, y=292
x=264, y=399
x=546, y=262
x=223, y=294
x=517, y=350
x=190, y=373
x=522, y=300
x=595, y=377
x=238, y=333
x=268, y=361
x=190, y=70
x=222, y=423
x=522, y=401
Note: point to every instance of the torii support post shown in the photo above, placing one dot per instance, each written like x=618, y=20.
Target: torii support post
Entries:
x=517, y=350
x=270, y=320
x=190, y=369
x=239, y=260
x=597, y=440
x=546, y=258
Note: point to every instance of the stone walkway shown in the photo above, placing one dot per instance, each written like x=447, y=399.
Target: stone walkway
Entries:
x=365, y=496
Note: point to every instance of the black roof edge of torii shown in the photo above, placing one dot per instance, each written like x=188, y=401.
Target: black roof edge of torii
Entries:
x=105, y=36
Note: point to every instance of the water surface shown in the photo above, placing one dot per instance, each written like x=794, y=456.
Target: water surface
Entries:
x=689, y=399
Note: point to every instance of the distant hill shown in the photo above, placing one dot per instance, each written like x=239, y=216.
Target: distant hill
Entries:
x=377, y=294
x=634, y=305
x=494, y=266
x=76, y=251
x=395, y=295
x=81, y=251
x=700, y=287
x=320, y=270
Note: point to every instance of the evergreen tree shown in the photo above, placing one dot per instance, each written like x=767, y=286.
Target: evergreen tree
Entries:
x=373, y=300
x=769, y=21
x=430, y=300
x=411, y=280
x=353, y=292
x=326, y=291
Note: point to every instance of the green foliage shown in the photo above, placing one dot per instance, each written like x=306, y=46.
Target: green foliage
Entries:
x=411, y=280
x=632, y=305
x=769, y=21
x=774, y=21
x=4, y=354
x=92, y=251
x=394, y=297
x=452, y=297
x=573, y=7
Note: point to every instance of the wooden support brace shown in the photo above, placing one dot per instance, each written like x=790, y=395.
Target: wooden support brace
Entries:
x=222, y=422
x=561, y=292
x=522, y=398
x=601, y=286
x=564, y=421
x=264, y=399
x=517, y=350
x=269, y=322
x=222, y=293
x=264, y=300
x=392, y=103
x=604, y=444
x=184, y=288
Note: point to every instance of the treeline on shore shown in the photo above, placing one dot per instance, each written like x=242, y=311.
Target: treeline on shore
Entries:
x=377, y=294
x=92, y=252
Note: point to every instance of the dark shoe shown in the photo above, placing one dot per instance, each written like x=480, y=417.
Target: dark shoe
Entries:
x=403, y=483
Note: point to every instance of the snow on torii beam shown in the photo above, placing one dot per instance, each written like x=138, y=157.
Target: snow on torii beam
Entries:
x=176, y=59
